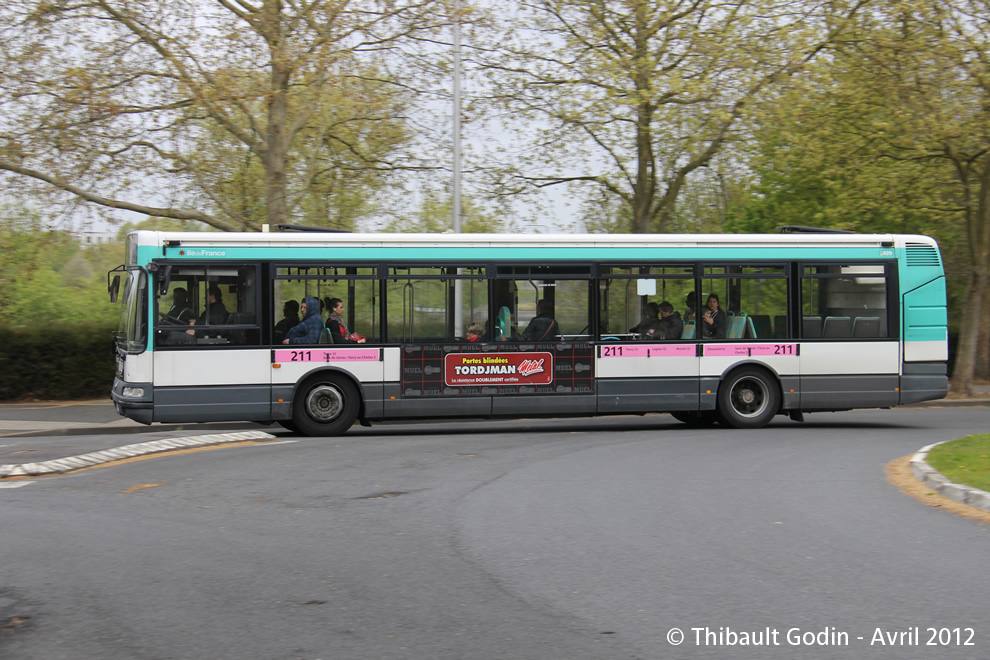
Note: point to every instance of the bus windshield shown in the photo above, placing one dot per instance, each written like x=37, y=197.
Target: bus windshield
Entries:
x=132, y=330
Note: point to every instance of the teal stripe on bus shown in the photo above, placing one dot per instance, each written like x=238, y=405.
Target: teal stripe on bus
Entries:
x=433, y=254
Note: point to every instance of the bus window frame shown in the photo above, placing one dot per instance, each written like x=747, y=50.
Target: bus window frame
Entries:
x=892, y=284
x=169, y=266
x=590, y=276
x=387, y=275
x=601, y=276
x=375, y=267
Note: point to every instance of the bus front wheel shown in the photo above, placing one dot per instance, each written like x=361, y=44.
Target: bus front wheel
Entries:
x=326, y=406
x=748, y=399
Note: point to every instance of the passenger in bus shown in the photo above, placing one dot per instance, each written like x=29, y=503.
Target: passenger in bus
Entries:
x=309, y=329
x=335, y=324
x=290, y=319
x=543, y=327
x=671, y=325
x=179, y=313
x=691, y=302
x=474, y=332
x=713, y=326
x=215, y=312
x=650, y=324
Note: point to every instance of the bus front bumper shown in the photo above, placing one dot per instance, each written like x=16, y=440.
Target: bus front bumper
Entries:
x=133, y=400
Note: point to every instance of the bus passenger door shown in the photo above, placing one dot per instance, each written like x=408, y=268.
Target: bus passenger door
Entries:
x=209, y=361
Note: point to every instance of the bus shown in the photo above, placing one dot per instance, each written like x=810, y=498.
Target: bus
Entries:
x=809, y=322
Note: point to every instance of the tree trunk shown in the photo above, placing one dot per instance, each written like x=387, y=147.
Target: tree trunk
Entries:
x=645, y=171
x=277, y=148
x=277, y=133
x=982, y=372
x=974, y=316
x=965, y=361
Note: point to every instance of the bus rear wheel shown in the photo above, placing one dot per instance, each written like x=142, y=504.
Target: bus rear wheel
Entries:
x=288, y=425
x=748, y=398
x=326, y=406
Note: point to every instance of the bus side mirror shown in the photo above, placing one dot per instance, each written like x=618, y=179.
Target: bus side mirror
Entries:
x=164, y=275
x=114, y=288
x=164, y=279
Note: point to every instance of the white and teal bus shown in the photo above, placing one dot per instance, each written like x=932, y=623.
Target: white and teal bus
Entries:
x=809, y=322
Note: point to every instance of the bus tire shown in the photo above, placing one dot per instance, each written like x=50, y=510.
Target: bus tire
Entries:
x=288, y=424
x=696, y=418
x=748, y=398
x=326, y=406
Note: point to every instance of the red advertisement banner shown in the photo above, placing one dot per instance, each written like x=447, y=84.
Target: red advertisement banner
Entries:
x=468, y=369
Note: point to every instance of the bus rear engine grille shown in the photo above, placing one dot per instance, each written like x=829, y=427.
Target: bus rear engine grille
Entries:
x=922, y=254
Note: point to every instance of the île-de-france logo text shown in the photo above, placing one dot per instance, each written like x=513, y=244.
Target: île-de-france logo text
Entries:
x=202, y=253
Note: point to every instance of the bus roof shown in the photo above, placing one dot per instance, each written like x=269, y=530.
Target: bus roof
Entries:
x=312, y=239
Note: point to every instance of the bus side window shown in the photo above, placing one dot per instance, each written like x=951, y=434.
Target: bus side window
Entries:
x=851, y=300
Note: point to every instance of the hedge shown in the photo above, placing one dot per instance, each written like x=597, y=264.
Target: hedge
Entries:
x=56, y=363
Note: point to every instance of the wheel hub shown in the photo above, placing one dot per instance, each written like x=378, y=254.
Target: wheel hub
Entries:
x=749, y=398
x=324, y=403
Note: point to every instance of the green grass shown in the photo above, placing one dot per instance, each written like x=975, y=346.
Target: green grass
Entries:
x=964, y=461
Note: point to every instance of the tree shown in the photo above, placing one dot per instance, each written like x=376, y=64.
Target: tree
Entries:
x=232, y=112
x=634, y=97
x=46, y=279
x=892, y=135
x=435, y=216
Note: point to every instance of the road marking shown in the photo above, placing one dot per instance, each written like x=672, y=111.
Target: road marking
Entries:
x=15, y=484
x=136, y=452
x=134, y=489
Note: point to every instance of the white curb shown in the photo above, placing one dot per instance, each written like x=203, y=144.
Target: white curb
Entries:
x=963, y=494
x=62, y=465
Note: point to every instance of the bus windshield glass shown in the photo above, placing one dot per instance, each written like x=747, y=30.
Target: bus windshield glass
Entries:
x=132, y=330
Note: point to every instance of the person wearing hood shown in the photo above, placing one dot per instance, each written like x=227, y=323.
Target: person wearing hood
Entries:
x=309, y=329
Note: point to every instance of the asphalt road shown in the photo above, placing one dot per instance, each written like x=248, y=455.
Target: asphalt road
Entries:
x=546, y=539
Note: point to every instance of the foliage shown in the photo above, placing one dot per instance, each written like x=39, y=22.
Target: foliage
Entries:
x=47, y=279
x=56, y=319
x=56, y=362
x=631, y=99
x=230, y=113
x=964, y=461
x=889, y=133
x=435, y=216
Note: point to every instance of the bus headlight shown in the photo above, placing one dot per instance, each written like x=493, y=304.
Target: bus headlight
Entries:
x=133, y=392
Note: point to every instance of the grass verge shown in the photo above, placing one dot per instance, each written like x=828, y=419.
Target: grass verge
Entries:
x=964, y=461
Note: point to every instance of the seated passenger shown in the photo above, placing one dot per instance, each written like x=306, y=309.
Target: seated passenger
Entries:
x=290, y=319
x=543, y=327
x=474, y=332
x=309, y=329
x=215, y=312
x=335, y=324
x=650, y=324
x=689, y=313
x=671, y=325
x=713, y=320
